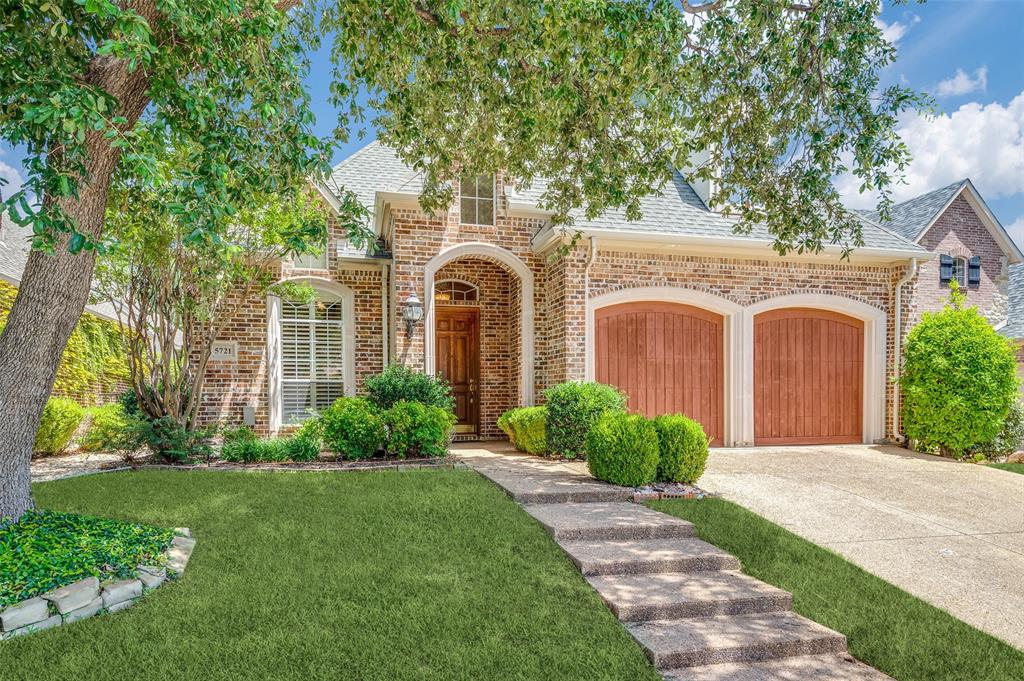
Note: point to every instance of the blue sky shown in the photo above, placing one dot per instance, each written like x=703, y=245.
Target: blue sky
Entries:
x=969, y=54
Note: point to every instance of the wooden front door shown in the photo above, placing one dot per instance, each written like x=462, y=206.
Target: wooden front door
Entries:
x=808, y=377
x=458, y=361
x=667, y=358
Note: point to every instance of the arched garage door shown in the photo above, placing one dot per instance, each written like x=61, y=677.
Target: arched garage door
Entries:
x=808, y=377
x=666, y=357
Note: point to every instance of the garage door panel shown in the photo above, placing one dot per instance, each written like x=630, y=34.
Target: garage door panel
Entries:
x=666, y=357
x=808, y=377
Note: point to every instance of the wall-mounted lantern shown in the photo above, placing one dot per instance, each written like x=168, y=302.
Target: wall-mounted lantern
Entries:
x=412, y=313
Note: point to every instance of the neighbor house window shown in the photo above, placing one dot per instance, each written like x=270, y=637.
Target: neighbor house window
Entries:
x=455, y=291
x=477, y=202
x=959, y=273
x=312, y=356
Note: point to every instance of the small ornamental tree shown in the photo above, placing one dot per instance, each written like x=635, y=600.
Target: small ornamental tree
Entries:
x=959, y=379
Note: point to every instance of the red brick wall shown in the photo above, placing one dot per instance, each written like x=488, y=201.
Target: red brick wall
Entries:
x=960, y=232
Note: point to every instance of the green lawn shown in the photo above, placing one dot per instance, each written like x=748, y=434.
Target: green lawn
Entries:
x=886, y=627
x=410, y=575
x=1012, y=467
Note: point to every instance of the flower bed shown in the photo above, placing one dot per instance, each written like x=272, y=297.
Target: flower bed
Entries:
x=58, y=568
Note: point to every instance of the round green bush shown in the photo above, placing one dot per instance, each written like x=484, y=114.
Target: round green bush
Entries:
x=353, y=428
x=959, y=379
x=623, y=449
x=682, y=448
x=61, y=418
x=398, y=382
x=572, y=409
x=525, y=427
x=108, y=429
x=416, y=429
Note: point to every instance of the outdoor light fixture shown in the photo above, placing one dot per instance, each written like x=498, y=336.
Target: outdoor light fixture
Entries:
x=412, y=313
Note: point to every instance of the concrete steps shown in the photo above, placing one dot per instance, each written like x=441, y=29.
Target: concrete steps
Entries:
x=646, y=556
x=609, y=520
x=733, y=638
x=801, y=668
x=684, y=600
x=675, y=595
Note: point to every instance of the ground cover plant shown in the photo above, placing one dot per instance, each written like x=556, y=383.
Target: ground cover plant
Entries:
x=423, y=575
x=885, y=626
x=45, y=550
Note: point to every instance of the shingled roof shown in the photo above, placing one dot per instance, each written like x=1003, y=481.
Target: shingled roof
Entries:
x=675, y=210
x=910, y=218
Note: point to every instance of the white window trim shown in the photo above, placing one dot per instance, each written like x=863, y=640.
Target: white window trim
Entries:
x=275, y=380
x=494, y=204
x=449, y=280
x=964, y=270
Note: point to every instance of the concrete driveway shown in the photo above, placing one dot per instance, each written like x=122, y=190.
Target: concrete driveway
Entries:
x=950, y=533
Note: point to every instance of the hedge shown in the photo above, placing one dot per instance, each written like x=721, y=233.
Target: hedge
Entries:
x=572, y=409
x=623, y=449
x=525, y=427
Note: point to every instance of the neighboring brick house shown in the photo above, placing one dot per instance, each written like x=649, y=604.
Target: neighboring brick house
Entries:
x=1014, y=328
x=676, y=309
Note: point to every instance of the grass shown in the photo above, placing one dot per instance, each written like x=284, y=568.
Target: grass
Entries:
x=311, y=575
x=886, y=627
x=1012, y=467
x=45, y=550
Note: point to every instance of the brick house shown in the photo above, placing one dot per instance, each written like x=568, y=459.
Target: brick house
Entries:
x=1014, y=328
x=675, y=309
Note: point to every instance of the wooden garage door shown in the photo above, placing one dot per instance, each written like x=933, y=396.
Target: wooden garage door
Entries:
x=808, y=377
x=666, y=357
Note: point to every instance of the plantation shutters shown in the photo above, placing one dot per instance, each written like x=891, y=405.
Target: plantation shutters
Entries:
x=312, y=357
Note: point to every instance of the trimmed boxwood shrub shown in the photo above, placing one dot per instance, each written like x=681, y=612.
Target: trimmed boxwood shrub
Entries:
x=623, y=449
x=525, y=428
x=416, y=429
x=108, y=429
x=682, y=448
x=959, y=379
x=61, y=418
x=573, y=408
x=353, y=427
x=399, y=382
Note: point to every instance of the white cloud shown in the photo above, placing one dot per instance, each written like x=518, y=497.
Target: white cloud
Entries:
x=1016, y=230
x=962, y=84
x=13, y=177
x=896, y=30
x=982, y=142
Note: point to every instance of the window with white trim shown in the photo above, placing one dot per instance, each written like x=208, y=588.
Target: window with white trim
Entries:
x=312, y=356
x=477, y=199
x=959, y=273
x=454, y=291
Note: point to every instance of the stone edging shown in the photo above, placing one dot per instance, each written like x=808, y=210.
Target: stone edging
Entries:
x=87, y=597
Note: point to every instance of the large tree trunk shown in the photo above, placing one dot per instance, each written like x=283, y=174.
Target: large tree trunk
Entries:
x=53, y=293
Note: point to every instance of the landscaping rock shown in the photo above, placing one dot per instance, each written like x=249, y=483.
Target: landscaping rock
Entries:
x=86, y=611
x=178, y=554
x=118, y=607
x=48, y=623
x=124, y=590
x=182, y=531
x=74, y=596
x=152, y=576
x=23, y=614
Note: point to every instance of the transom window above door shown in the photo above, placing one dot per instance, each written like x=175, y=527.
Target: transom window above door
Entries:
x=477, y=200
x=453, y=291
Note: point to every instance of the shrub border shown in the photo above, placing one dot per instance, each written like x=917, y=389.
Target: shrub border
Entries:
x=88, y=597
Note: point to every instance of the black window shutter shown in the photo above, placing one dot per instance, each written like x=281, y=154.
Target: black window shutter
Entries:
x=945, y=268
x=974, y=271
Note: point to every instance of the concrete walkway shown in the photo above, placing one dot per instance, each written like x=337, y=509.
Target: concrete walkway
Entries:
x=684, y=601
x=951, y=534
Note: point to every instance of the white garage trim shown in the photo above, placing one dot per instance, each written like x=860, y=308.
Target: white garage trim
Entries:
x=733, y=350
x=874, y=357
x=519, y=268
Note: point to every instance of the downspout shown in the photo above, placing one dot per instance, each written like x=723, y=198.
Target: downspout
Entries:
x=384, y=325
x=897, y=343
